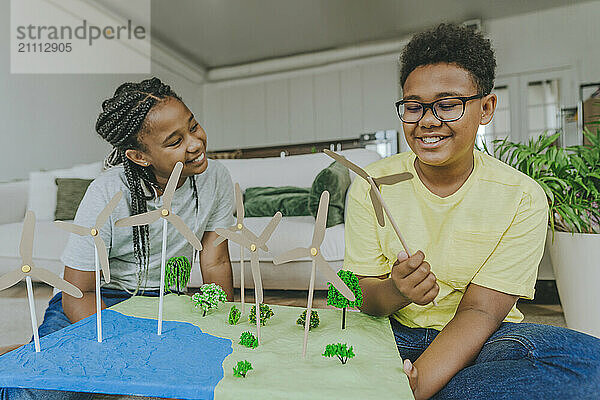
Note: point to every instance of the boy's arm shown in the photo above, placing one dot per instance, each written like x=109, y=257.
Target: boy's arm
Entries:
x=78, y=309
x=215, y=264
x=479, y=314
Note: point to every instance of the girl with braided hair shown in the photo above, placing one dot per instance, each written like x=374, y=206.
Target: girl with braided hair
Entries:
x=150, y=129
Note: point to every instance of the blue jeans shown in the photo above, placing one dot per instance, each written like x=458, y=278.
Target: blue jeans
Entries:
x=519, y=361
x=55, y=320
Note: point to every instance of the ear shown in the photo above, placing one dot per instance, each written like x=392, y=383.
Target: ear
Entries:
x=137, y=157
x=488, y=106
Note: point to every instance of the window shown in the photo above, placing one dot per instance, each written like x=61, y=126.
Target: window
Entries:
x=543, y=107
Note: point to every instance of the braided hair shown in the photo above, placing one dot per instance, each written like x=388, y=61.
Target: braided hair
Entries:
x=120, y=123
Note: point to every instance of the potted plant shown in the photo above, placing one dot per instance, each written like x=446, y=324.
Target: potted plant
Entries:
x=570, y=178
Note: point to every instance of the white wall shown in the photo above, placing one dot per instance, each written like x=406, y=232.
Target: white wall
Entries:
x=338, y=101
x=47, y=121
x=347, y=98
x=554, y=38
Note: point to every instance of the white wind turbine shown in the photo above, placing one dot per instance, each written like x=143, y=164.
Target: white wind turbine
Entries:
x=314, y=252
x=248, y=240
x=167, y=216
x=240, y=227
x=101, y=255
x=28, y=270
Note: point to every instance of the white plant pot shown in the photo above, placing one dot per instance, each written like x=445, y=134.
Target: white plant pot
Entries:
x=576, y=263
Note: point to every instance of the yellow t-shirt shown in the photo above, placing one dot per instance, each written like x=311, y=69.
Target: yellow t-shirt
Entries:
x=490, y=232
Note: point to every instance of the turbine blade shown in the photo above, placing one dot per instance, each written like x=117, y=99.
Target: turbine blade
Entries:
x=377, y=207
x=252, y=237
x=258, y=287
x=332, y=277
x=291, y=255
x=139, y=219
x=102, y=257
x=344, y=161
x=69, y=227
x=268, y=231
x=26, y=246
x=187, y=233
x=172, y=185
x=239, y=204
x=11, y=278
x=393, y=179
x=54, y=280
x=110, y=207
x=220, y=239
x=321, y=220
x=234, y=237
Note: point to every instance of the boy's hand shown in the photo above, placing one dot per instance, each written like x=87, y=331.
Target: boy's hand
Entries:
x=414, y=279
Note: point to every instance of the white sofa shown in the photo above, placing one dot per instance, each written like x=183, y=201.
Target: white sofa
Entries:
x=39, y=195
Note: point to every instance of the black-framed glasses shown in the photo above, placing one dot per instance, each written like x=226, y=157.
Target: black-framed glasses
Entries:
x=447, y=109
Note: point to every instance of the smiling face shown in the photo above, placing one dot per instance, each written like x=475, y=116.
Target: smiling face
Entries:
x=171, y=134
x=445, y=144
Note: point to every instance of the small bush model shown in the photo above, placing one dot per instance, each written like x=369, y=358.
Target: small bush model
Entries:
x=336, y=299
x=177, y=272
x=242, y=368
x=209, y=297
x=265, y=314
x=234, y=315
x=314, y=319
x=249, y=340
x=340, y=350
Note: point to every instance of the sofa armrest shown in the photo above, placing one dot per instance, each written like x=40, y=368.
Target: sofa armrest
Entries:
x=13, y=196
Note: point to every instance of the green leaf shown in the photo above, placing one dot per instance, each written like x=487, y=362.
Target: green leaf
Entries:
x=265, y=313
x=242, y=368
x=234, y=315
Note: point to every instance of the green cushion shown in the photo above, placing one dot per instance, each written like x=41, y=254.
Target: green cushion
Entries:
x=335, y=179
x=266, y=201
x=69, y=194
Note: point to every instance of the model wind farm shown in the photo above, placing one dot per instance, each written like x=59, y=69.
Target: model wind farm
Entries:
x=365, y=347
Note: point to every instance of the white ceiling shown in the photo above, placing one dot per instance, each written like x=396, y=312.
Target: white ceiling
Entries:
x=217, y=33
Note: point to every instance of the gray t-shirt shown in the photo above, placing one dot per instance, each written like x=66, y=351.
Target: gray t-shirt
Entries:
x=215, y=210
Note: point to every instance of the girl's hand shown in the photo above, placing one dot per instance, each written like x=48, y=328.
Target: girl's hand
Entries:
x=413, y=378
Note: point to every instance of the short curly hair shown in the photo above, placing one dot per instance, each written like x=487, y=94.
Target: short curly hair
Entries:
x=452, y=44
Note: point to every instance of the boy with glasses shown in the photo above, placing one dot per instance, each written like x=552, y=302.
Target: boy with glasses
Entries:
x=480, y=228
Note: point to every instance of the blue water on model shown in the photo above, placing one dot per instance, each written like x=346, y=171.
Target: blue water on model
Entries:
x=182, y=363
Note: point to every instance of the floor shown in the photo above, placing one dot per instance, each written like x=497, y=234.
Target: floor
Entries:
x=15, y=322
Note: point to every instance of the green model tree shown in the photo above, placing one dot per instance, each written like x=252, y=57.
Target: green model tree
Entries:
x=242, y=368
x=209, y=297
x=234, y=315
x=248, y=339
x=340, y=350
x=336, y=299
x=314, y=319
x=177, y=272
x=265, y=313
